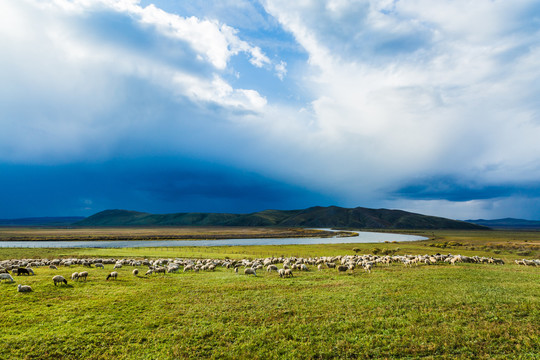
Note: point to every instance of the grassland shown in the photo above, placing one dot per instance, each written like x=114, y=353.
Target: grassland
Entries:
x=439, y=311
x=153, y=233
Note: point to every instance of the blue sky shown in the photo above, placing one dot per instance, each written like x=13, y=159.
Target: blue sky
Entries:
x=240, y=106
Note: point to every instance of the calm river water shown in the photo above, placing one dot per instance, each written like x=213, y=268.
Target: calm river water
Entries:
x=363, y=237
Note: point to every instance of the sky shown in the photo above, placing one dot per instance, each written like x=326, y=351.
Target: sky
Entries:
x=240, y=106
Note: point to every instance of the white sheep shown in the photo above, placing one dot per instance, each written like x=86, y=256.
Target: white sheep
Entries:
x=149, y=272
x=160, y=270
x=250, y=271
x=288, y=273
x=59, y=279
x=6, y=276
x=53, y=267
x=24, y=288
x=367, y=267
x=75, y=276
x=285, y=273
x=99, y=265
x=112, y=275
x=188, y=267
x=117, y=266
x=271, y=268
x=83, y=275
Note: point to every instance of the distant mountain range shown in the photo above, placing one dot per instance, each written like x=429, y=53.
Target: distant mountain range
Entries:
x=331, y=216
x=508, y=223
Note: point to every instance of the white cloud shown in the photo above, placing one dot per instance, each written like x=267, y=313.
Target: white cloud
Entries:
x=216, y=42
x=409, y=89
x=281, y=70
x=69, y=87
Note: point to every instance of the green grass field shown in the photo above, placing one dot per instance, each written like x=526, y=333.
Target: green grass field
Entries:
x=438, y=311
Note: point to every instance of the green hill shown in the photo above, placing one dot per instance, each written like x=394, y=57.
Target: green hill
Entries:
x=332, y=216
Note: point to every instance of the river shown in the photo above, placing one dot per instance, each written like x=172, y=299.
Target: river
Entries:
x=363, y=237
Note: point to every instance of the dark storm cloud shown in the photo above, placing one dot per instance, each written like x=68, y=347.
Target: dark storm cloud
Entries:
x=159, y=185
x=455, y=189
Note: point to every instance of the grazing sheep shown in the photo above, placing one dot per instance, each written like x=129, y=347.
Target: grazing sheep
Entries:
x=112, y=275
x=53, y=267
x=83, y=275
x=303, y=267
x=250, y=271
x=24, y=288
x=271, y=268
x=367, y=267
x=160, y=270
x=59, y=279
x=6, y=276
x=149, y=272
x=135, y=272
x=285, y=273
x=75, y=276
x=320, y=267
x=99, y=265
x=117, y=266
x=22, y=271
x=342, y=268
x=288, y=273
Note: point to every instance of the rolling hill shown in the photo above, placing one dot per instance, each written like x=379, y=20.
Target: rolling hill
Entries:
x=332, y=216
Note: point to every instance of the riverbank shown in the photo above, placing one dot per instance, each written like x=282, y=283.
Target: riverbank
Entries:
x=157, y=233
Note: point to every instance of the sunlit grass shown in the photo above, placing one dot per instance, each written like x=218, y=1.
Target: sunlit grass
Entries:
x=445, y=311
x=440, y=311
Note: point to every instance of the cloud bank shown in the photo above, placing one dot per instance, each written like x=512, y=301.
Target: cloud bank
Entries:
x=399, y=104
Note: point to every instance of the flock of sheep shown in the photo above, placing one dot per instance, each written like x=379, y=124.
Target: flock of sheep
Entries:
x=341, y=264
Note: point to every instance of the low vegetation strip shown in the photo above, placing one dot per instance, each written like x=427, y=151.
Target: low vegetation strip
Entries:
x=159, y=233
x=427, y=310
